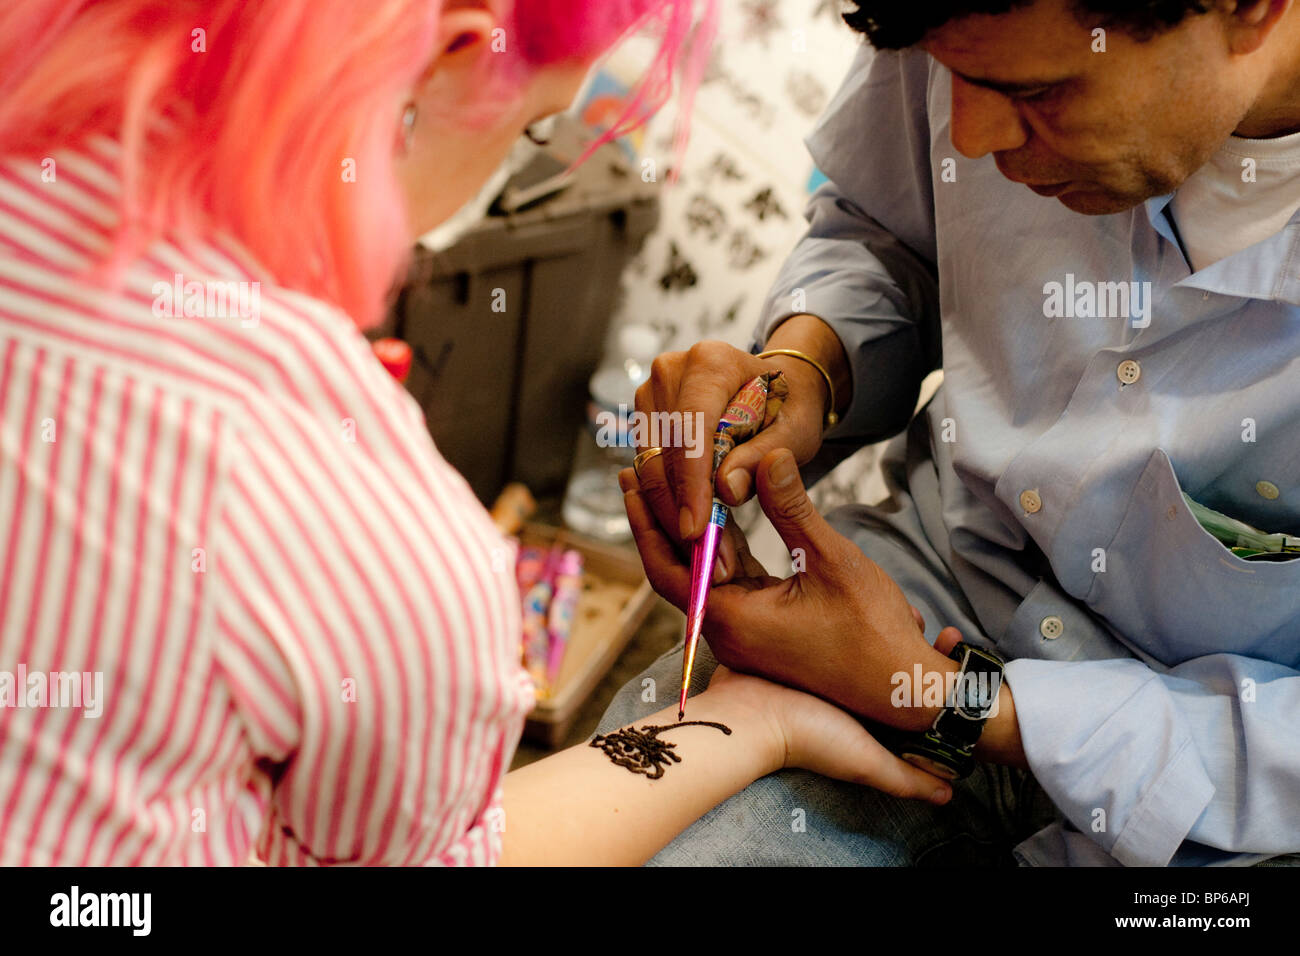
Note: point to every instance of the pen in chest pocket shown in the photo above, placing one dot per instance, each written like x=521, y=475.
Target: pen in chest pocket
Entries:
x=1242, y=539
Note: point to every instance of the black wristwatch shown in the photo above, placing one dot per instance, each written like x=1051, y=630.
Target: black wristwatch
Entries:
x=947, y=749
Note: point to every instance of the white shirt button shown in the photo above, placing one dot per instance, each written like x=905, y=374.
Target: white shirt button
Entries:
x=1051, y=627
x=1268, y=490
x=1128, y=372
x=1031, y=501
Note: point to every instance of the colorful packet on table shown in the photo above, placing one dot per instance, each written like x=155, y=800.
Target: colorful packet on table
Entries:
x=559, y=620
x=536, y=637
x=529, y=568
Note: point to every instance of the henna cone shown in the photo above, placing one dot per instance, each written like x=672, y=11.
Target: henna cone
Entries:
x=750, y=410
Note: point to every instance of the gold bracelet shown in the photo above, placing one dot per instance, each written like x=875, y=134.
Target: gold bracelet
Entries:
x=831, y=416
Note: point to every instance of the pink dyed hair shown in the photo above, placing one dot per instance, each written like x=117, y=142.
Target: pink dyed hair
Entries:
x=260, y=122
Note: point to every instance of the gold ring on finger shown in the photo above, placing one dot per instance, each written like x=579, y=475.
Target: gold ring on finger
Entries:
x=643, y=457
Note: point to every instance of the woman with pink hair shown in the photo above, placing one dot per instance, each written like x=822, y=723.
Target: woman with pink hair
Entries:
x=245, y=605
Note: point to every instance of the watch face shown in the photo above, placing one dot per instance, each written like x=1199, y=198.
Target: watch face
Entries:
x=975, y=693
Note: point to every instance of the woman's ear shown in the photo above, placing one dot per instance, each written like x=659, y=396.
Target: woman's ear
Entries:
x=465, y=32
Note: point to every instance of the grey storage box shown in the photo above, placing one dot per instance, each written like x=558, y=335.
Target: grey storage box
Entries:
x=504, y=391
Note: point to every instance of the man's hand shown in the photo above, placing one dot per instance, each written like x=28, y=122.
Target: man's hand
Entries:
x=698, y=384
x=840, y=629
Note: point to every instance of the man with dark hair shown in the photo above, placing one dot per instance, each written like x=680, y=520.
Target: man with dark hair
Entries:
x=1088, y=215
x=891, y=26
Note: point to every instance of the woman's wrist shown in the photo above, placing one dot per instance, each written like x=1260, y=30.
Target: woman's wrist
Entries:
x=730, y=703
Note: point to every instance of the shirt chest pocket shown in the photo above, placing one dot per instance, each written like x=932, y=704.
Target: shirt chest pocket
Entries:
x=1176, y=591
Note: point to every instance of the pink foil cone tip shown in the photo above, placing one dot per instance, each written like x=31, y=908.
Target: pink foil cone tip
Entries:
x=703, y=556
x=750, y=410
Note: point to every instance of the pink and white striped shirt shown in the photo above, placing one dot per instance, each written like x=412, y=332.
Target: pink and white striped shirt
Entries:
x=307, y=626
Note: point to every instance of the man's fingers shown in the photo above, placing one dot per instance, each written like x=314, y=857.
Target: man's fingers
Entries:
x=948, y=638
x=748, y=565
x=667, y=575
x=786, y=503
x=661, y=395
x=734, y=556
x=735, y=478
x=702, y=398
x=654, y=486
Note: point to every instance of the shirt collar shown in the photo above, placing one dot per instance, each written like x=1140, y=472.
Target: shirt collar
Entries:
x=1267, y=270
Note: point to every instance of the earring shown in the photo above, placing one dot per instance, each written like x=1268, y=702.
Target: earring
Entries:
x=409, y=115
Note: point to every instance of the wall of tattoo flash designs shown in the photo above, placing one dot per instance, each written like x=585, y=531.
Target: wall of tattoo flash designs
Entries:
x=737, y=209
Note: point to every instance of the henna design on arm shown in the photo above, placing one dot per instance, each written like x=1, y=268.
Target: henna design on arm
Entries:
x=641, y=751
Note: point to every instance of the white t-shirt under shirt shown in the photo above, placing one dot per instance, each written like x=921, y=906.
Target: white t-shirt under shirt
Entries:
x=1248, y=191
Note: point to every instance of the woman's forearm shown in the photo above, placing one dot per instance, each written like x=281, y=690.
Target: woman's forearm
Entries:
x=579, y=806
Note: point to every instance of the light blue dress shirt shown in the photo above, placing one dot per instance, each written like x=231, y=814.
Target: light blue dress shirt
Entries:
x=1156, y=675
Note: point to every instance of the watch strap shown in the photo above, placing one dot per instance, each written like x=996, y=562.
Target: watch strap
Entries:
x=947, y=749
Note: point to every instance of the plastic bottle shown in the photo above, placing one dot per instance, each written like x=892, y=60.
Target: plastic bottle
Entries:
x=593, y=502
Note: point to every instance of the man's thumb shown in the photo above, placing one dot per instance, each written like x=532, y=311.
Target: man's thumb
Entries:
x=742, y=463
x=786, y=503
